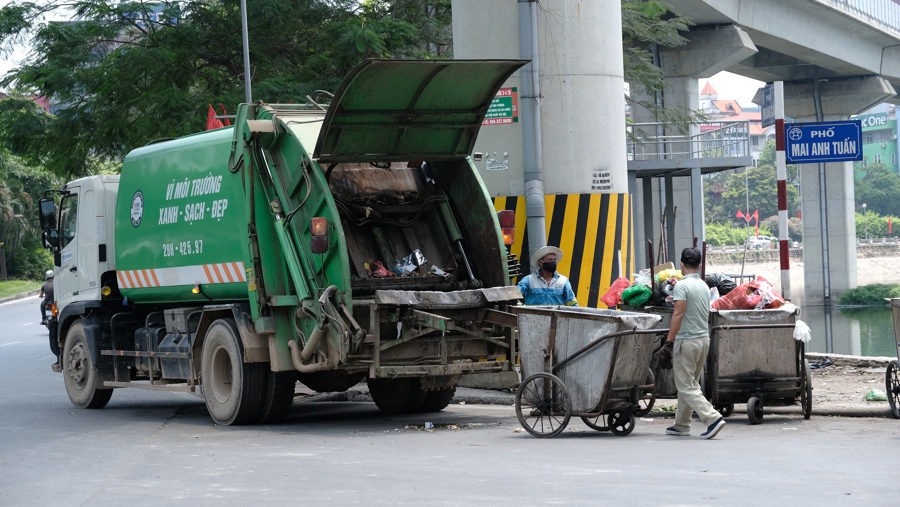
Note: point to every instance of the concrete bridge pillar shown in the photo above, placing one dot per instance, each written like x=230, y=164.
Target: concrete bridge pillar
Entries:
x=577, y=102
x=827, y=193
x=707, y=53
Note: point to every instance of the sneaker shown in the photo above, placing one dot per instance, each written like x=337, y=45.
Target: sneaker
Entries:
x=56, y=367
x=714, y=429
x=671, y=430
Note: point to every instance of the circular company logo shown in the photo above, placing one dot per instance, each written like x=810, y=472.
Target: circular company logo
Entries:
x=795, y=134
x=137, y=208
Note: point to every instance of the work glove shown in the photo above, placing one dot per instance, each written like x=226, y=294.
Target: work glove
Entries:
x=664, y=356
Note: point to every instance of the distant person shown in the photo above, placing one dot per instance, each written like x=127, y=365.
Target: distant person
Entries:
x=546, y=286
x=688, y=345
x=47, y=295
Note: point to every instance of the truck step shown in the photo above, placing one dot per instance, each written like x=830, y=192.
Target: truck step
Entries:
x=153, y=387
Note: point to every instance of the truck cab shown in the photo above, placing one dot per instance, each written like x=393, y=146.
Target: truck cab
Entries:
x=85, y=243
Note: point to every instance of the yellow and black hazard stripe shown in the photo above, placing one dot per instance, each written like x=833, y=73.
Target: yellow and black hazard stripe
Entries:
x=594, y=232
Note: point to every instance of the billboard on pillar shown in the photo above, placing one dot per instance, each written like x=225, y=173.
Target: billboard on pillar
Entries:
x=504, y=109
x=812, y=143
x=768, y=106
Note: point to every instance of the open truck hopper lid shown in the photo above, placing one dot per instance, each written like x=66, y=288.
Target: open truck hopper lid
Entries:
x=396, y=110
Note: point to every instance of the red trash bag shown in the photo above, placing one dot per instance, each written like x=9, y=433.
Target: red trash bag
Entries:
x=754, y=295
x=613, y=296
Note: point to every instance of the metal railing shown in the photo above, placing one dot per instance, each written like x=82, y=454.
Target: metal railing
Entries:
x=884, y=14
x=715, y=139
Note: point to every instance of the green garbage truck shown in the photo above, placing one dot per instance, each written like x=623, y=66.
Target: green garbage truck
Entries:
x=328, y=243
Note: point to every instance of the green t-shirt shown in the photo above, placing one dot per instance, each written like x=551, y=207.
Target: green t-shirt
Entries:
x=694, y=291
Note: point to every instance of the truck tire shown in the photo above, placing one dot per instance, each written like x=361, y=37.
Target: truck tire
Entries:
x=389, y=395
x=395, y=396
x=279, y=396
x=437, y=400
x=233, y=389
x=80, y=373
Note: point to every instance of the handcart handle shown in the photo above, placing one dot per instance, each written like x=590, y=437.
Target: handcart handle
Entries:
x=750, y=326
x=596, y=342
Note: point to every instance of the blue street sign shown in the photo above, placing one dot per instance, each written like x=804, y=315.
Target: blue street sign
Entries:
x=810, y=143
x=768, y=106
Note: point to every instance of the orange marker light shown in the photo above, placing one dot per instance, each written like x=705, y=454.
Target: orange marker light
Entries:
x=509, y=236
x=319, y=226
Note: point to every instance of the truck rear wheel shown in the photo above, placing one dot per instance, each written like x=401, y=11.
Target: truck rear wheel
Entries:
x=279, y=396
x=394, y=396
x=437, y=400
x=233, y=389
x=80, y=373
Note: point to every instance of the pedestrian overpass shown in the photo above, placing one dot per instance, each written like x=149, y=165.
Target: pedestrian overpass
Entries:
x=836, y=58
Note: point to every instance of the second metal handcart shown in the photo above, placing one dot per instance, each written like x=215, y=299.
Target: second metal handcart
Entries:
x=755, y=359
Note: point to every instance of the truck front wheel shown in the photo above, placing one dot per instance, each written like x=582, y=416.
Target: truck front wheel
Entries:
x=80, y=373
x=234, y=390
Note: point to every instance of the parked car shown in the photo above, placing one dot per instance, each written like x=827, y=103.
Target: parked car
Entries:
x=760, y=242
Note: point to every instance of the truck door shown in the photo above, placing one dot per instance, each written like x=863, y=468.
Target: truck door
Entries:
x=77, y=277
x=66, y=281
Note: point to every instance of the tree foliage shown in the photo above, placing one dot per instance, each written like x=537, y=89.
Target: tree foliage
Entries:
x=729, y=193
x=21, y=254
x=879, y=189
x=124, y=73
x=646, y=25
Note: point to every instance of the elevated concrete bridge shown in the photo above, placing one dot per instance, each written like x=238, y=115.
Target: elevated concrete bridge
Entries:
x=836, y=58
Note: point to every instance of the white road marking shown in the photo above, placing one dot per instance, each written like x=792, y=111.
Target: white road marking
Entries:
x=10, y=343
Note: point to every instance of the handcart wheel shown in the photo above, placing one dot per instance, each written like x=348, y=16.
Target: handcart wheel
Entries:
x=621, y=423
x=806, y=391
x=646, y=404
x=892, y=385
x=726, y=409
x=755, y=410
x=596, y=423
x=543, y=405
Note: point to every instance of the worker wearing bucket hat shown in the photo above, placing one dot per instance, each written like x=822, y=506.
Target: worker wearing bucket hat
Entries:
x=545, y=286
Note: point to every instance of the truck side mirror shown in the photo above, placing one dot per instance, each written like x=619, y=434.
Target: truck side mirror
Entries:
x=50, y=239
x=47, y=210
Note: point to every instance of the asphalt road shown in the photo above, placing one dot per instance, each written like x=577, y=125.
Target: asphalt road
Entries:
x=154, y=449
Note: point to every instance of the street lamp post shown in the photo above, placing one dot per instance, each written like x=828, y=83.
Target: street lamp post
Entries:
x=865, y=223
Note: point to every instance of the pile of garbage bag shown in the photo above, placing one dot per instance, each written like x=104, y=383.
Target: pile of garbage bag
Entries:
x=724, y=293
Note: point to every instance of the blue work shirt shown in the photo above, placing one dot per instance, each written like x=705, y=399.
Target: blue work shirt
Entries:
x=537, y=291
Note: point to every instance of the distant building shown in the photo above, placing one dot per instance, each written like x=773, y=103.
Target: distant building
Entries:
x=41, y=101
x=879, y=132
x=729, y=110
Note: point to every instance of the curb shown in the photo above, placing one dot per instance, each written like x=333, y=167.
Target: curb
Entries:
x=20, y=296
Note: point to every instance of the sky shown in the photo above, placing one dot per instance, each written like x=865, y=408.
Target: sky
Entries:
x=732, y=86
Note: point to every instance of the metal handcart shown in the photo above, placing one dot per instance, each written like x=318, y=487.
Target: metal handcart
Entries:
x=892, y=376
x=585, y=362
x=754, y=359
x=663, y=379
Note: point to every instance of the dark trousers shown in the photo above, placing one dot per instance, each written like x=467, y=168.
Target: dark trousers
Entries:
x=44, y=310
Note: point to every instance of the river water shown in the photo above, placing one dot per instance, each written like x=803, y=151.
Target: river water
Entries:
x=854, y=331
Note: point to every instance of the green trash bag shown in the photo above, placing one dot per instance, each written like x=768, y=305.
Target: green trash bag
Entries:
x=637, y=295
x=876, y=395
